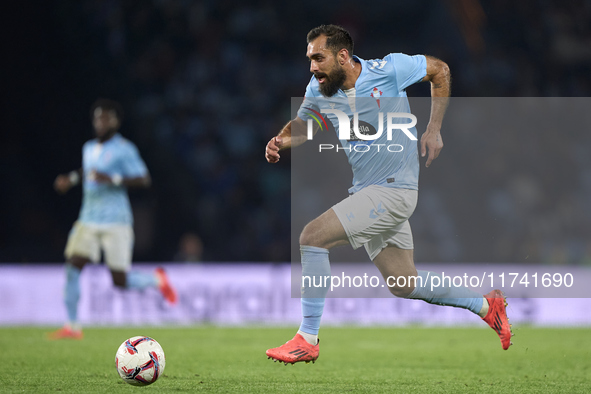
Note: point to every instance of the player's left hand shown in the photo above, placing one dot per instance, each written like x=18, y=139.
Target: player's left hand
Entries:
x=62, y=184
x=431, y=142
x=272, y=149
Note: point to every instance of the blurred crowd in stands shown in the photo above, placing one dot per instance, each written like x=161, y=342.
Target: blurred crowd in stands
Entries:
x=206, y=84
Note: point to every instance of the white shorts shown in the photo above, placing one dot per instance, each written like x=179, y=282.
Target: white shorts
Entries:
x=377, y=217
x=116, y=241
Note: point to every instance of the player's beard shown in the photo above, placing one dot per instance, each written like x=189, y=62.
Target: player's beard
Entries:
x=332, y=82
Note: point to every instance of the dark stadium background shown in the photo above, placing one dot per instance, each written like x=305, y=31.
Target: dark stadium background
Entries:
x=205, y=84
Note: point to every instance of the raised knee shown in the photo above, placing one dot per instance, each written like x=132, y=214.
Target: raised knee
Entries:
x=78, y=262
x=400, y=292
x=120, y=284
x=399, y=287
x=307, y=238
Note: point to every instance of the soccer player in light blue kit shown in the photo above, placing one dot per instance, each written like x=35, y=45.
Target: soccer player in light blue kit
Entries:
x=110, y=165
x=385, y=183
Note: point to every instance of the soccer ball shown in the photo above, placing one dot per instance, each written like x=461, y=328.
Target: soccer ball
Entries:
x=140, y=361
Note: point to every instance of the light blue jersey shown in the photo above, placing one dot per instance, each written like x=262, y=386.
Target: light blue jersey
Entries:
x=380, y=89
x=105, y=203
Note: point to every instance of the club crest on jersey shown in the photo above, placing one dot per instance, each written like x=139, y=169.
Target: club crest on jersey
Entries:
x=376, y=94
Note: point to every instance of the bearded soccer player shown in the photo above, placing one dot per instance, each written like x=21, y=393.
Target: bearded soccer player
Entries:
x=384, y=183
x=110, y=165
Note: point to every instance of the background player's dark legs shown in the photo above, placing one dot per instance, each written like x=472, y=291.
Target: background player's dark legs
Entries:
x=133, y=280
x=119, y=278
x=78, y=262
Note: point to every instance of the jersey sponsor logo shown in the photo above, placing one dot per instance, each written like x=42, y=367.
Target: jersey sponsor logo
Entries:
x=363, y=128
x=345, y=125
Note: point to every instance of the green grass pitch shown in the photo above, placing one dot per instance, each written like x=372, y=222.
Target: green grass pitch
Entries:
x=352, y=359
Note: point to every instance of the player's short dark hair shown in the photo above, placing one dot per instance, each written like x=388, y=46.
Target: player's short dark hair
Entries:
x=108, y=105
x=337, y=37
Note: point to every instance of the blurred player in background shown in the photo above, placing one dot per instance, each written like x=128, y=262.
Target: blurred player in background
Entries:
x=110, y=165
x=385, y=185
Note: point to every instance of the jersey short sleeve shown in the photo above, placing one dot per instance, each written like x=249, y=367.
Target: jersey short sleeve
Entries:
x=310, y=102
x=408, y=69
x=133, y=166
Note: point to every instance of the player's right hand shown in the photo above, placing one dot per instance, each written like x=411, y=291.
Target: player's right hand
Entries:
x=62, y=184
x=272, y=150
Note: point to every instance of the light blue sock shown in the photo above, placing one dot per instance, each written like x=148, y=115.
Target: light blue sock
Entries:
x=140, y=280
x=72, y=292
x=446, y=293
x=315, y=266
